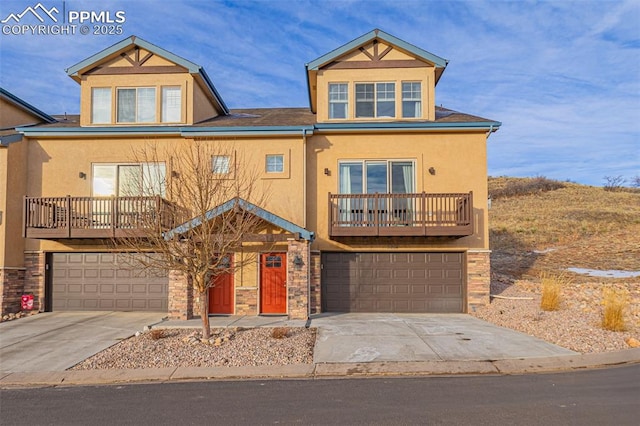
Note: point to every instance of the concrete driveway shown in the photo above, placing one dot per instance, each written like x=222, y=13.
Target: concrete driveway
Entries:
x=55, y=341
x=421, y=337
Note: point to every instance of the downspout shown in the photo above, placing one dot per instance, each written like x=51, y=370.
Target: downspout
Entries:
x=490, y=131
x=304, y=219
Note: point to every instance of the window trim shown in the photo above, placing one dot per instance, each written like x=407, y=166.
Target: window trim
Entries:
x=375, y=99
x=266, y=164
x=388, y=162
x=162, y=104
x=109, y=105
x=136, y=109
x=339, y=102
x=420, y=100
x=228, y=164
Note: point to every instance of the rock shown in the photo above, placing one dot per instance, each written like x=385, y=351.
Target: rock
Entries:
x=138, y=334
x=5, y=318
x=146, y=328
x=218, y=341
x=632, y=342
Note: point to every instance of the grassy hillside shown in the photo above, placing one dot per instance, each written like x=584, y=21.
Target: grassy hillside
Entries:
x=536, y=225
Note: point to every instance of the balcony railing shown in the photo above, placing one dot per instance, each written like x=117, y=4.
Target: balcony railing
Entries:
x=422, y=214
x=97, y=217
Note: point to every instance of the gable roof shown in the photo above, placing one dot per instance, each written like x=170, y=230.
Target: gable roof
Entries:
x=9, y=97
x=75, y=71
x=314, y=66
x=249, y=207
x=9, y=135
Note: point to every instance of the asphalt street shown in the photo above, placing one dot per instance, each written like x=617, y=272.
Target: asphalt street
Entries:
x=592, y=397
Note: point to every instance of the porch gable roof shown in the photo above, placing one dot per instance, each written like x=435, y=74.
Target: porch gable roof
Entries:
x=249, y=207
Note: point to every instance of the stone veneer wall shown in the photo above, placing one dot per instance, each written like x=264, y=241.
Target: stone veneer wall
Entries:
x=478, y=278
x=11, y=289
x=298, y=279
x=246, y=301
x=34, y=278
x=315, y=298
x=181, y=301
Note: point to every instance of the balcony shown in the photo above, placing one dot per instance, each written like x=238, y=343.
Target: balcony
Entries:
x=401, y=215
x=96, y=217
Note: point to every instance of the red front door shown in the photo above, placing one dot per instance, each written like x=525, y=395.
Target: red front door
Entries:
x=273, y=283
x=221, y=294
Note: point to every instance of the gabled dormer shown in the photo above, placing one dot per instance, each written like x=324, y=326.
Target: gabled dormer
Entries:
x=135, y=83
x=376, y=77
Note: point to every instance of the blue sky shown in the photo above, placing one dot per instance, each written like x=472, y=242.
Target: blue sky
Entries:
x=562, y=76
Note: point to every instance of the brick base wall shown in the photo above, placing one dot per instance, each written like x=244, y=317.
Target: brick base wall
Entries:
x=11, y=289
x=478, y=279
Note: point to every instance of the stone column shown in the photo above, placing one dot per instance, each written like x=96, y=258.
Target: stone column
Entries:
x=34, y=277
x=315, y=298
x=298, y=278
x=478, y=278
x=181, y=303
x=11, y=289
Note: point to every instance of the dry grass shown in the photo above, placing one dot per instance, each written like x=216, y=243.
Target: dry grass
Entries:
x=546, y=219
x=552, y=291
x=280, y=332
x=615, y=303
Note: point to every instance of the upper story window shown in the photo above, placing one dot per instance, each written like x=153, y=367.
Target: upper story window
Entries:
x=101, y=105
x=275, y=163
x=136, y=105
x=171, y=104
x=220, y=164
x=411, y=100
x=338, y=100
x=375, y=100
x=381, y=176
x=129, y=179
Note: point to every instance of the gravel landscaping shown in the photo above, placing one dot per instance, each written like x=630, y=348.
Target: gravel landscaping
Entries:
x=231, y=347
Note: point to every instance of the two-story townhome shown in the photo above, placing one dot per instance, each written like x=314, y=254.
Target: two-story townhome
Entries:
x=14, y=112
x=377, y=197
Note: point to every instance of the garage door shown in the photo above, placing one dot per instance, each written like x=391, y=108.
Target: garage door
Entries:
x=392, y=282
x=105, y=282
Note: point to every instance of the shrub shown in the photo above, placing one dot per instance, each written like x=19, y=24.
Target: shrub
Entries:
x=613, y=183
x=280, y=332
x=552, y=291
x=526, y=186
x=157, y=333
x=615, y=302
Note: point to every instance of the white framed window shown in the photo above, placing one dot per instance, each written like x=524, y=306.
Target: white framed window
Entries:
x=221, y=164
x=136, y=105
x=376, y=176
x=375, y=100
x=274, y=163
x=127, y=180
x=385, y=99
x=171, y=104
x=411, y=99
x=101, y=105
x=338, y=100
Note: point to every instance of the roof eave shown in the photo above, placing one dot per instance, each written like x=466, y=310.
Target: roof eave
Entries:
x=10, y=97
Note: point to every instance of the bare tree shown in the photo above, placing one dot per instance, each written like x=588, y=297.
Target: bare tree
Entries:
x=613, y=183
x=208, y=191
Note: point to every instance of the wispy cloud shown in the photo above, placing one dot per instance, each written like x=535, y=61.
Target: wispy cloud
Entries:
x=563, y=77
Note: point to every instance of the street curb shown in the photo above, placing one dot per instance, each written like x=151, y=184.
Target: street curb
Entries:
x=324, y=370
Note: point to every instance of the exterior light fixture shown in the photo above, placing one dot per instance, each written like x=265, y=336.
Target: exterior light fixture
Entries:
x=82, y=175
x=432, y=171
x=297, y=261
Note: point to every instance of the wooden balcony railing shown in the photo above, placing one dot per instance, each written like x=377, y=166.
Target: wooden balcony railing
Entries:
x=97, y=217
x=422, y=214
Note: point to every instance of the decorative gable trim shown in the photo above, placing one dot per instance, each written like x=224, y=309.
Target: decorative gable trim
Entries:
x=93, y=63
x=249, y=207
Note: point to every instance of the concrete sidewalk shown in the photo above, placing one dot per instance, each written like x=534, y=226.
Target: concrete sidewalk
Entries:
x=347, y=345
x=323, y=371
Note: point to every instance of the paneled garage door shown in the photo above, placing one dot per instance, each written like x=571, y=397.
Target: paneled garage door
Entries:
x=393, y=282
x=105, y=282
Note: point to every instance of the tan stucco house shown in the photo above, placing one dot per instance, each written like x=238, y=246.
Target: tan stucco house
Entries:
x=378, y=196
